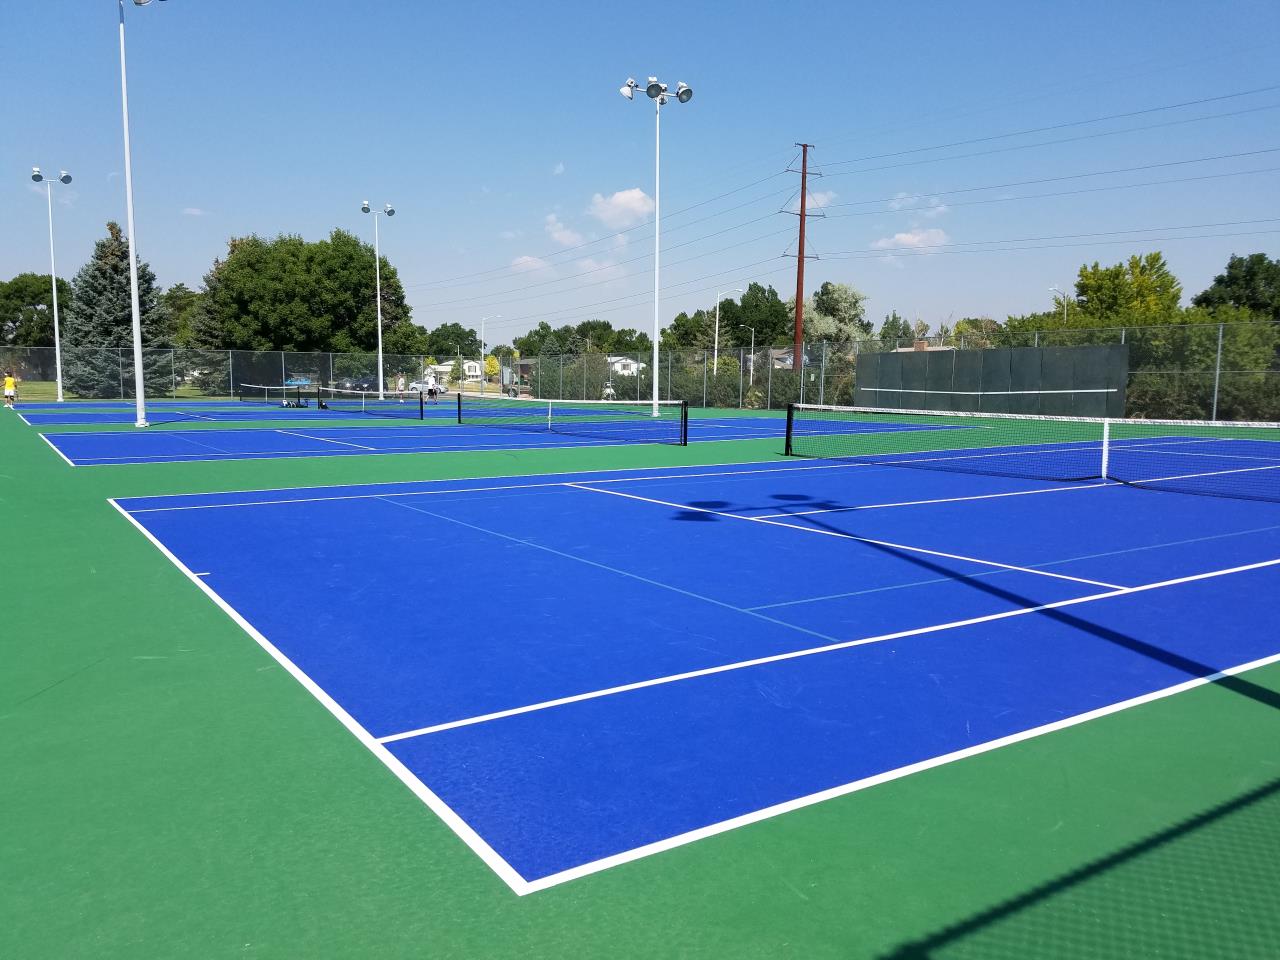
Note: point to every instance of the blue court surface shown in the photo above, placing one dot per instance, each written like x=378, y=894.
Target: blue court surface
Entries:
x=578, y=670
x=170, y=446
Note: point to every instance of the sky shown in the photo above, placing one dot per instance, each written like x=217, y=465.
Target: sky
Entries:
x=972, y=155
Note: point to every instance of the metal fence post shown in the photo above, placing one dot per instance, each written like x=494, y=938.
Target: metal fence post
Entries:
x=560, y=392
x=1217, y=375
x=120, y=364
x=768, y=390
x=704, y=378
x=1036, y=342
x=740, y=357
x=1122, y=332
x=822, y=375
x=173, y=375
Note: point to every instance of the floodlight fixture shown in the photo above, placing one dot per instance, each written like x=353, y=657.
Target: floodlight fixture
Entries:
x=390, y=210
x=141, y=3
x=36, y=175
x=364, y=206
x=657, y=91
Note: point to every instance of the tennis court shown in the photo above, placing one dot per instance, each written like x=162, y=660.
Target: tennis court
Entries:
x=649, y=691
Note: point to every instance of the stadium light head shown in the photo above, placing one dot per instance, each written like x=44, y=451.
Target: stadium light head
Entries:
x=655, y=89
x=684, y=92
x=390, y=210
x=141, y=3
x=628, y=89
x=36, y=175
x=364, y=207
x=65, y=177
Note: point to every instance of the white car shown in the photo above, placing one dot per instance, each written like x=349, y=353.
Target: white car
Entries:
x=421, y=386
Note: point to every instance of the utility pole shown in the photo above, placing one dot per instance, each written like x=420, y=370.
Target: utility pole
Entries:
x=797, y=359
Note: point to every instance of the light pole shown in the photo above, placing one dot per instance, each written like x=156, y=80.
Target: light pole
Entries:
x=1054, y=289
x=751, y=377
x=658, y=93
x=388, y=211
x=63, y=177
x=715, y=356
x=496, y=316
x=139, y=385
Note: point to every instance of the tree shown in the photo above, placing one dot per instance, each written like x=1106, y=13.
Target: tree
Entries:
x=491, y=366
x=181, y=302
x=26, y=309
x=688, y=331
x=846, y=306
x=452, y=339
x=761, y=308
x=456, y=371
x=291, y=294
x=101, y=315
x=895, y=328
x=976, y=333
x=1139, y=291
x=1252, y=282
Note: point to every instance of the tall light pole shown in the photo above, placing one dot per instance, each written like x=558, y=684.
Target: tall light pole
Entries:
x=752, y=355
x=715, y=356
x=658, y=93
x=496, y=316
x=386, y=211
x=63, y=177
x=139, y=385
x=1054, y=289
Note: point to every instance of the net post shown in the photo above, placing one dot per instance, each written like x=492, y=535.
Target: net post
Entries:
x=1106, y=448
x=684, y=423
x=459, y=396
x=422, y=407
x=791, y=422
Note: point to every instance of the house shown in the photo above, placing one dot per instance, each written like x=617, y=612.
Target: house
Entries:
x=625, y=366
x=784, y=357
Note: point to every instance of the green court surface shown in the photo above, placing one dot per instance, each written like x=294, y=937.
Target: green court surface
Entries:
x=169, y=791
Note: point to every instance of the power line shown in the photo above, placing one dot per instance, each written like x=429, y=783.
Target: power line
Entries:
x=1055, y=126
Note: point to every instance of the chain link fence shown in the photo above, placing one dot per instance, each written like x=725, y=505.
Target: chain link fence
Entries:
x=1202, y=372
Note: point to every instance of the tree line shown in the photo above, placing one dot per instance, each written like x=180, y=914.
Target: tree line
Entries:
x=287, y=293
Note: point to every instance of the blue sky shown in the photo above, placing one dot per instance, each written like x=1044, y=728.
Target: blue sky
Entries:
x=523, y=181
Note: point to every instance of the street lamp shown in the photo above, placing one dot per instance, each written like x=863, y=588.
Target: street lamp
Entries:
x=715, y=356
x=139, y=386
x=63, y=177
x=751, y=376
x=386, y=211
x=496, y=316
x=1054, y=289
x=657, y=92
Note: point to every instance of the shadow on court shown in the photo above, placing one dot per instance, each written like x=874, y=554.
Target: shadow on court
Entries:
x=1202, y=888
x=1191, y=668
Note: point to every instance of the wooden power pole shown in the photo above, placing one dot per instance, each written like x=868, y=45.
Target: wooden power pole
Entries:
x=797, y=359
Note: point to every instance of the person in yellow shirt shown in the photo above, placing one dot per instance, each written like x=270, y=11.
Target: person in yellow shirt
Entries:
x=10, y=388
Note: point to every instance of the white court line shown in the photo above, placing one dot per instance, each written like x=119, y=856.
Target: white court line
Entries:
x=65, y=458
x=919, y=503
x=812, y=651
x=615, y=570
x=766, y=813
x=20, y=416
x=991, y=573
x=508, y=486
x=850, y=536
x=307, y=436
x=441, y=809
x=1194, y=476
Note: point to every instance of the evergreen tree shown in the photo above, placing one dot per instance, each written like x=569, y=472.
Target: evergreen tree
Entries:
x=101, y=316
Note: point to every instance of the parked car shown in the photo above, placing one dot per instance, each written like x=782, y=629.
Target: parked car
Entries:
x=421, y=385
x=358, y=383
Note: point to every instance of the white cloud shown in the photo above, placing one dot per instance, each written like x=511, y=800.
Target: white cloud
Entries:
x=624, y=209
x=509, y=234
x=620, y=241
x=600, y=269
x=561, y=234
x=194, y=212
x=557, y=169
x=821, y=198
x=912, y=240
x=527, y=264
x=925, y=206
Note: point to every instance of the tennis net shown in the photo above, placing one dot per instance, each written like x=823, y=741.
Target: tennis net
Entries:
x=606, y=420
x=404, y=405
x=277, y=396
x=1214, y=458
